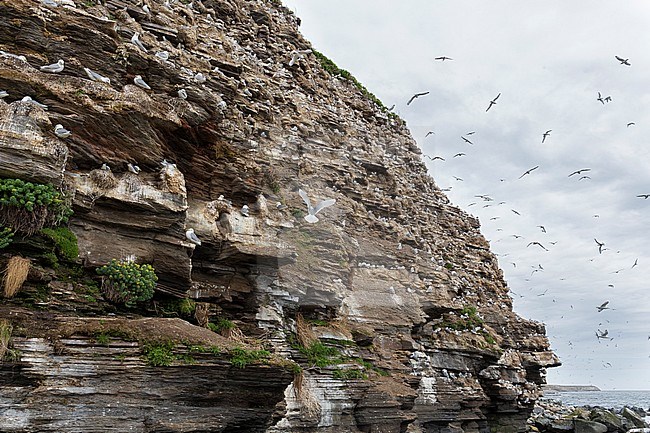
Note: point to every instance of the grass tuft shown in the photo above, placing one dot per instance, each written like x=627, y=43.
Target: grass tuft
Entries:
x=15, y=275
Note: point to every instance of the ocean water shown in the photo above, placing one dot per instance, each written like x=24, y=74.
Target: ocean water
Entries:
x=607, y=399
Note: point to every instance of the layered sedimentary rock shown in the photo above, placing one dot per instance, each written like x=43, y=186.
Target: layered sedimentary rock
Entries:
x=396, y=279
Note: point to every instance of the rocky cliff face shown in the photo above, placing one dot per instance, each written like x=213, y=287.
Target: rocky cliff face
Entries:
x=392, y=303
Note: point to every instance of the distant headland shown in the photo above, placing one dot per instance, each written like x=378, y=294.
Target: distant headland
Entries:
x=570, y=388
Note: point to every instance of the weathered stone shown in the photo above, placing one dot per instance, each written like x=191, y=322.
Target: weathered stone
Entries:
x=584, y=426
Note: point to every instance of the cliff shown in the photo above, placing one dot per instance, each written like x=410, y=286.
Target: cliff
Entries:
x=389, y=314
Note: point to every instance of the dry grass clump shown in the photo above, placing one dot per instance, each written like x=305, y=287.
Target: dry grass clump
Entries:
x=172, y=179
x=309, y=405
x=304, y=334
x=15, y=275
x=103, y=179
x=5, y=336
x=202, y=314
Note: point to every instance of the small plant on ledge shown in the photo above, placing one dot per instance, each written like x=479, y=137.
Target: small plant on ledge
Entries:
x=27, y=207
x=127, y=282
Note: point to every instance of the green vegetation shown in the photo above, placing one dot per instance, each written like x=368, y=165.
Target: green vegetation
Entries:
x=197, y=348
x=65, y=242
x=27, y=207
x=469, y=320
x=102, y=339
x=320, y=355
x=159, y=354
x=334, y=70
x=127, y=282
x=240, y=357
x=349, y=373
x=221, y=325
x=271, y=180
x=6, y=236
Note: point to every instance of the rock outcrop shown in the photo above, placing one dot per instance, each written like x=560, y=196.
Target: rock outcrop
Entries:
x=392, y=303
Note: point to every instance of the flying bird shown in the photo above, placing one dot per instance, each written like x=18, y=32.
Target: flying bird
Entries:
x=603, y=306
x=434, y=158
x=636, y=262
x=543, y=228
x=313, y=210
x=584, y=177
x=600, y=98
x=546, y=134
x=529, y=171
x=492, y=102
x=61, y=132
x=97, y=77
x=644, y=196
x=630, y=124
x=466, y=140
x=189, y=234
x=140, y=82
x=471, y=132
x=579, y=171
x=459, y=154
x=602, y=334
x=54, y=68
x=600, y=246
x=443, y=58
x=516, y=213
x=297, y=55
x=417, y=95
x=538, y=244
x=429, y=133
x=135, y=40
x=623, y=61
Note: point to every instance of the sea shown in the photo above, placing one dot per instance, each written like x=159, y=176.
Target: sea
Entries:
x=607, y=399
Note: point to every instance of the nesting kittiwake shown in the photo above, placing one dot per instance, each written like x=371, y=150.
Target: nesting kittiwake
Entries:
x=182, y=93
x=189, y=234
x=245, y=210
x=61, y=132
x=135, y=40
x=162, y=55
x=297, y=55
x=13, y=56
x=146, y=9
x=133, y=168
x=31, y=101
x=54, y=68
x=3, y=94
x=200, y=78
x=96, y=77
x=313, y=210
x=105, y=167
x=140, y=82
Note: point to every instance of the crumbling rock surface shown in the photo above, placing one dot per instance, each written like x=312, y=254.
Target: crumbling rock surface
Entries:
x=391, y=275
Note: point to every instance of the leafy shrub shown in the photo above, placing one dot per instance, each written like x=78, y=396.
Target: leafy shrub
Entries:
x=28, y=207
x=65, y=241
x=127, y=282
x=221, y=325
x=6, y=236
x=240, y=357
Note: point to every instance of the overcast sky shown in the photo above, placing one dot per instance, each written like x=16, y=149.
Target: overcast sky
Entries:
x=548, y=60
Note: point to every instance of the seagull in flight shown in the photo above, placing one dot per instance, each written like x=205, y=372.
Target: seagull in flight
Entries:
x=543, y=228
x=630, y=124
x=417, y=95
x=492, y=102
x=546, y=134
x=429, y=133
x=529, y=171
x=623, y=61
x=313, y=210
x=538, y=244
x=471, y=132
x=434, y=158
x=636, y=262
x=644, y=196
x=459, y=154
x=602, y=334
x=600, y=246
x=466, y=140
x=603, y=306
x=443, y=58
x=600, y=98
x=579, y=171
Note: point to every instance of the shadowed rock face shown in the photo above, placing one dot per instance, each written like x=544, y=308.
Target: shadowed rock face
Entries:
x=391, y=275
